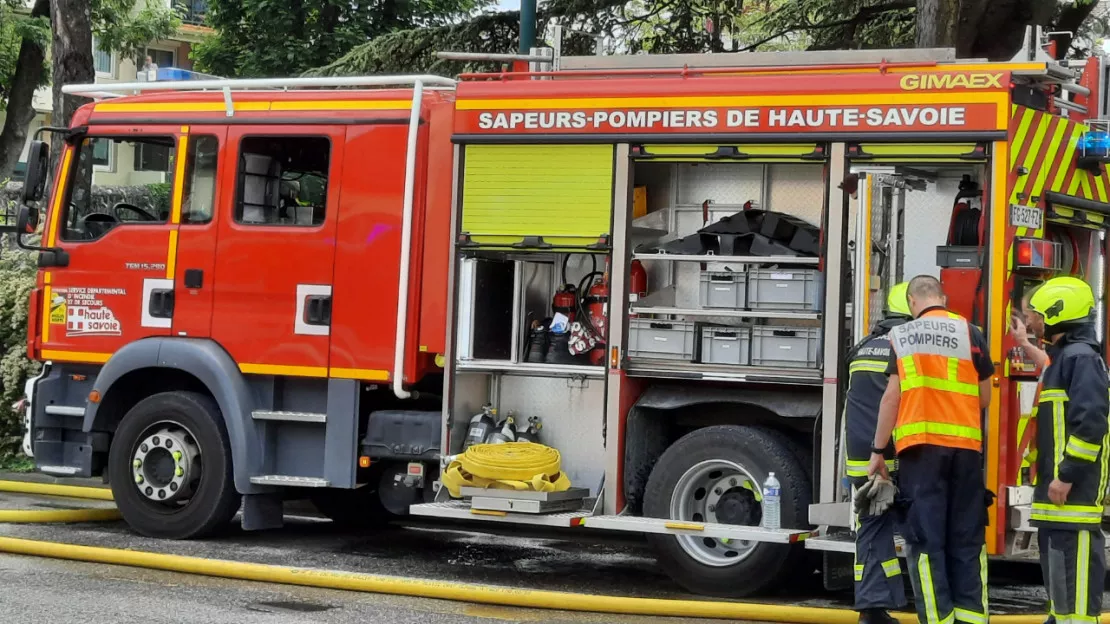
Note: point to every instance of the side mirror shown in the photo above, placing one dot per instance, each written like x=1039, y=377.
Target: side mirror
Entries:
x=38, y=164
x=28, y=220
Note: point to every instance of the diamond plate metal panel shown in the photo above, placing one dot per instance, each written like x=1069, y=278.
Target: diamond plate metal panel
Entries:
x=722, y=184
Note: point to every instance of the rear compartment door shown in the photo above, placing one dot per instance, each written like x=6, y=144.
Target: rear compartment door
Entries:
x=275, y=254
x=205, y=171
x=112, y=214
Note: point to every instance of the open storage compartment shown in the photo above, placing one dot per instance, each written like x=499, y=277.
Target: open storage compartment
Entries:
x=729, y=239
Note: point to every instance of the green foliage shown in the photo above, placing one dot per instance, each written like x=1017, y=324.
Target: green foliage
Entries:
x=284, y=37
x=15, y=26
x=17, y=279
x=128, y=26
x=159, y=196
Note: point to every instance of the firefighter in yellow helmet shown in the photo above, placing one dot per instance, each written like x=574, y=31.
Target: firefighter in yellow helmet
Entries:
x=1073, y=420
x=878, y=576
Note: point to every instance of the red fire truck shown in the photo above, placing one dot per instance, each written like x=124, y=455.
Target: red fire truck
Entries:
x=252, y=290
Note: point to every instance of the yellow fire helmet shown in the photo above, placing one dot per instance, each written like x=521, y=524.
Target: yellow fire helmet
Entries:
x=897, y=304
x=1063, y=300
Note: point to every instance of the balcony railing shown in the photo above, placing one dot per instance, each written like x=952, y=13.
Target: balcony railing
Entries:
x=191, y=11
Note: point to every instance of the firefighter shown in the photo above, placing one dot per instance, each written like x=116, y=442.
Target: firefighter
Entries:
x=877, y=573
x=1072, y=426
x=940, y=372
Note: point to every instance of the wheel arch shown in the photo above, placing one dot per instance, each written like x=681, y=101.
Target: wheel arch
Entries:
x=153, y=365
x=665, y=413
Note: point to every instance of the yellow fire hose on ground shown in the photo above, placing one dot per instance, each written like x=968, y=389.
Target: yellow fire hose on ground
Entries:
x=35, y=516
x=422, y=588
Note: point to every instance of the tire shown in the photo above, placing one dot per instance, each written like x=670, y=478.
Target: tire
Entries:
x=705, y=566
x=358, y=508
x=207, y=497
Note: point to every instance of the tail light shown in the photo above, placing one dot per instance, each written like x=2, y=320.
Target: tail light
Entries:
x=1036, y=257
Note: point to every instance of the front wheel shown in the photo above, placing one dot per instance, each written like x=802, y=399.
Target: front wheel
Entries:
x=713, y=475
x=170, y=467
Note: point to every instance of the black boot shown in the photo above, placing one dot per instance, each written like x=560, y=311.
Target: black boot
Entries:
x=876, y=616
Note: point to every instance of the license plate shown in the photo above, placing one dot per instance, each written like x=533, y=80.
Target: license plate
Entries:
x=1026, y=216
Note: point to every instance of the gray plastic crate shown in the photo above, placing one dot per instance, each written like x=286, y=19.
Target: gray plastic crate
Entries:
x=726, y=345
x=787, y=347
x=723, y=289
x=793, y=290
x=953, y=257
x=667, y=340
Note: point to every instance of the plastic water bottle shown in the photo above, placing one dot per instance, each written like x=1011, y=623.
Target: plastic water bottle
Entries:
x=772, y=492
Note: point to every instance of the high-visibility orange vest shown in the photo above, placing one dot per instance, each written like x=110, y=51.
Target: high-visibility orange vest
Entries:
x=940, y=386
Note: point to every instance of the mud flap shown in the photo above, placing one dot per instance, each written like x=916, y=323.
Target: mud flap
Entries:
x=836, y=570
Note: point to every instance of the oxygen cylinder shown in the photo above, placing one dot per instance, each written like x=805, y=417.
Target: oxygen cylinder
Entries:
x=507, y=433
x=532, y=432
x=480, y=426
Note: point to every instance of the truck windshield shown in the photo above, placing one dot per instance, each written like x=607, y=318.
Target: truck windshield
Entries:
x=118, y=181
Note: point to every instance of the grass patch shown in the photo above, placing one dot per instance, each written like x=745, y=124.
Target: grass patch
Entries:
x=17, y=463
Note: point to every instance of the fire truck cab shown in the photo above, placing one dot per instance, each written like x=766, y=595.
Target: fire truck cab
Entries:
x=652, y=264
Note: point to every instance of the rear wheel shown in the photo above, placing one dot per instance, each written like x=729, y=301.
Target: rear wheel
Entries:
x=170, y=467
x=714, y=475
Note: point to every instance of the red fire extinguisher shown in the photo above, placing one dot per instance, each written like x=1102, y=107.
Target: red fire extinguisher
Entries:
x=565, y=301
x=596, y=303
x=637, y=282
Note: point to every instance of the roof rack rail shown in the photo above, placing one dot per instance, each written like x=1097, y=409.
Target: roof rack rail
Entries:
x=102, y=90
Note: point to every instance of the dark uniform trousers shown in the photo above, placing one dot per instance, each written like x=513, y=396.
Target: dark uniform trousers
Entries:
x=877, y=572
x=944, y=531
x=1070, y=559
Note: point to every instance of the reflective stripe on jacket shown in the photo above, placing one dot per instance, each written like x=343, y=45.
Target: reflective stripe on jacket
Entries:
x=1073, y=432
x=867, y=380
x=939, y=383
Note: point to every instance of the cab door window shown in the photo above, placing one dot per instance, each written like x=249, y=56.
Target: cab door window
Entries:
x=135, y=191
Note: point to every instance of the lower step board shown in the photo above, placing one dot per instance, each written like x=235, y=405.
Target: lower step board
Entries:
x=846, y=543
x=461, y=510
x=289, y=481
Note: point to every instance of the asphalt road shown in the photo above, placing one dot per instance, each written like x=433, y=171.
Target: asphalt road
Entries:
x=476, y=553
x=34, y=591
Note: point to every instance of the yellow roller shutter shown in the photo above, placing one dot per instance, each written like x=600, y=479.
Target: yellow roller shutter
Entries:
x=560, y=193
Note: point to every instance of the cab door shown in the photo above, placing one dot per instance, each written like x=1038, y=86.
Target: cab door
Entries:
x=112, y=215
x=275, y=253
x=204, y=171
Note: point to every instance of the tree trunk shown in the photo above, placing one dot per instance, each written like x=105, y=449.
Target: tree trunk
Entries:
x=937, y=23
x=71, y=23
x=20, y=109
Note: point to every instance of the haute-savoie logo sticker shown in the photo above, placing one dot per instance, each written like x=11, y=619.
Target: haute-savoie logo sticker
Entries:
x=84, y=311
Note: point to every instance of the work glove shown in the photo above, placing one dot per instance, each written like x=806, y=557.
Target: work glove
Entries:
x=875, y=497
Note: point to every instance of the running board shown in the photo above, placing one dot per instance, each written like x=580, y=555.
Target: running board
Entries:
x=460, y=510
x=846, y=543
x=289, y=481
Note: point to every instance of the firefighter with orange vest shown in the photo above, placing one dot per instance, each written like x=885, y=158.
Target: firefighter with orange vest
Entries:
x=1073, y=421
x=877, y=573
x=940, y=377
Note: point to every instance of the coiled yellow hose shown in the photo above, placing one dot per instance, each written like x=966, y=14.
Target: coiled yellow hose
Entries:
x=509, y=466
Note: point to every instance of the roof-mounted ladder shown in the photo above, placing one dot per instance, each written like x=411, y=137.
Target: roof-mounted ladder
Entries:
x=418, y=83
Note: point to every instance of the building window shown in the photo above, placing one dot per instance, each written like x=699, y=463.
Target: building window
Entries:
x=161, y=58
x=102, y=61
x=152, y=157
x=102, y=152
x=282, y=180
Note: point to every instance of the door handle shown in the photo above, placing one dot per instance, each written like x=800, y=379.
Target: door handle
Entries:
x=317, y=310
x=161, y=303
x=194, y=278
